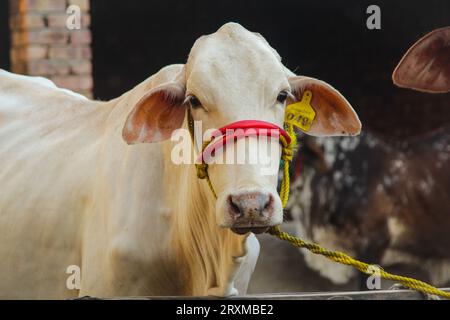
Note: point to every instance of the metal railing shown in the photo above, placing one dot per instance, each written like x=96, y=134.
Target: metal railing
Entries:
x=391, y=294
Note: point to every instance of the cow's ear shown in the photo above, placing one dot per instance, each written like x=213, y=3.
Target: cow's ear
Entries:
x=156, y=115
x=334, y=116
x=426, y=65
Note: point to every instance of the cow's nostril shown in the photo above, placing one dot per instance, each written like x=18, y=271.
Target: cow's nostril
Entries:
x=268, y=203
x=235, y=209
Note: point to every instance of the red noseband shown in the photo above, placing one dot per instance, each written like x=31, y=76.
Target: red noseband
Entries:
x=240, y=129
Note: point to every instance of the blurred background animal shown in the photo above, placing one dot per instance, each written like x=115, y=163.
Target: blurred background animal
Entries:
x=380, y=199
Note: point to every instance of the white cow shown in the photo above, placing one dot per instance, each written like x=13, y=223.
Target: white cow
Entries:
x=76, y=191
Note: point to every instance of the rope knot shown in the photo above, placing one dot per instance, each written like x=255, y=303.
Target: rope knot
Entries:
x=287, y=153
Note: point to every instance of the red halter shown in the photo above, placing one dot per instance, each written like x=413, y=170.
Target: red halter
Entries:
x=241, y=129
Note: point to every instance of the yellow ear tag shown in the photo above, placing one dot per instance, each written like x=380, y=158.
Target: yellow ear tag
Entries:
x=301, y=114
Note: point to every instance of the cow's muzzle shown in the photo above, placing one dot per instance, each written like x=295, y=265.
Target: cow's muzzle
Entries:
x=250, y=211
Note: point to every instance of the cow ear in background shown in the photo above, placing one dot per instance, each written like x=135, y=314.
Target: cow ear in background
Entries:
x=426, y=65
x=156, y=115
x=334, y=115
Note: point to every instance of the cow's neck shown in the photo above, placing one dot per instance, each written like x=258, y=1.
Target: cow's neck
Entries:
x=199, y=245
x=204, y=252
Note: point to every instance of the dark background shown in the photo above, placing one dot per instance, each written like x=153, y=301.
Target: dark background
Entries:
x=4, y=35
x=326, y=39
x=323, y=39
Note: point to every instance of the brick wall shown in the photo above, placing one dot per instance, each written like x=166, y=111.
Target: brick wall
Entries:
x=42, y=44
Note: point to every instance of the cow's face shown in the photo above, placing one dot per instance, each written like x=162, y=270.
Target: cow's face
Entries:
x=235, y=75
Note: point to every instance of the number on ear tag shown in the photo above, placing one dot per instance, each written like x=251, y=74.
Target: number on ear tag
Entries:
x=301, y=114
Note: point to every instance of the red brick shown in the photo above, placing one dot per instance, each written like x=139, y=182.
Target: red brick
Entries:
x=49, y=36
x=85, y=21
x=18, y=38
x=76, y=83
x=83, y=4
x=15, y=55
x=48, y=67
x=70, y=52
x=81, y=66
x=43, y=36
x=31, y=52
x=80, y=36
x=57, y=20
x=26, y=21
x=36, y=52
x=22, y=6
x=19, y=67
x=43, y=46
x=44, y=5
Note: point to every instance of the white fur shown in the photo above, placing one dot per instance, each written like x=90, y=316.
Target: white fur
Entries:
x=74, y=193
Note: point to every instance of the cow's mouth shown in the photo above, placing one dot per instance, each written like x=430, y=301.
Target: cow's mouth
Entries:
x=244, y=230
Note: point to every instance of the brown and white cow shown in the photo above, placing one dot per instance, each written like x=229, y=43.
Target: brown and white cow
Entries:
x=92, y=184
x=380, y=201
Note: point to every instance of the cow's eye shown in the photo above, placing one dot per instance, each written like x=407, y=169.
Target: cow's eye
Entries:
x=282, y=96
x=194, y=102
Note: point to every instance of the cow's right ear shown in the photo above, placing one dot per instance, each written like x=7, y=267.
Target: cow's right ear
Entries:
x=334, y=114
x=156, y=115
x=426, y=65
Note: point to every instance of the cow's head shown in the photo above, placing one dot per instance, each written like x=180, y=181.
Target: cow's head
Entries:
x=234, y=75
x=426, y=65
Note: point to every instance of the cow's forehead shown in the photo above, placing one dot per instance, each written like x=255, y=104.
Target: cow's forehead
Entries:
x=234, y=57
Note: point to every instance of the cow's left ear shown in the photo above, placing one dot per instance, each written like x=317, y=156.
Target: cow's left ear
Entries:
x=156, y=115
x=426, y=65
x=334, y=114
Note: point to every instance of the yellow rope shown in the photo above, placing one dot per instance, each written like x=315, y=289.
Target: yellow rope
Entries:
x=287, y=154
x=343, y=258
x=336, y=256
